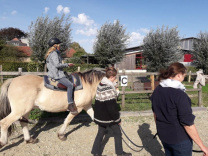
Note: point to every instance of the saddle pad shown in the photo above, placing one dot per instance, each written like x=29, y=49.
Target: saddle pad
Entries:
x=52, y=84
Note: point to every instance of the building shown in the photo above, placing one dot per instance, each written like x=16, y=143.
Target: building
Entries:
x=134, y=60
x=24, y=50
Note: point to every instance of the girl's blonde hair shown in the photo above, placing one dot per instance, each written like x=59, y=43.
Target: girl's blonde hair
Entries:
x=51, y=49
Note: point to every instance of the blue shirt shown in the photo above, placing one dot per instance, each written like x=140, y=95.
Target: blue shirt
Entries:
x=173, y=110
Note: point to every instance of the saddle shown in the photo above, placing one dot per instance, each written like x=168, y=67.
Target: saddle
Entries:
x=55, y=85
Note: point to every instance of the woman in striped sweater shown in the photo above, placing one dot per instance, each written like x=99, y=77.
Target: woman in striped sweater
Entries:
x=106, y=113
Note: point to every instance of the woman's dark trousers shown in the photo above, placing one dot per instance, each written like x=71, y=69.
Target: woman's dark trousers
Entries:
x=99, y=138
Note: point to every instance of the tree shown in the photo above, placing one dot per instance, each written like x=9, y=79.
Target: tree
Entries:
x=7, y=34
x=43, y=29
x=200, y=52
x=110, y=43
x=8, y=52
x=77, y=48
x=161, y=48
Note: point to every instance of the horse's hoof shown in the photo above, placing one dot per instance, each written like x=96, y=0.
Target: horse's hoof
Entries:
x=62, y=137
x=32, y=141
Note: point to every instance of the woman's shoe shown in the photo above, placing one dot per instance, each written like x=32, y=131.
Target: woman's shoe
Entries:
x=72, y=108
x=124, y=154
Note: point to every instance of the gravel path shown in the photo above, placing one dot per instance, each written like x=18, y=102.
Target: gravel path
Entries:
x=81, y=133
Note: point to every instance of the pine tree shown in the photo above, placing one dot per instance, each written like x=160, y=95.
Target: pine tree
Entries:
x=43, y=29
x=110, y=43
x=161, y=48
x=200, y=52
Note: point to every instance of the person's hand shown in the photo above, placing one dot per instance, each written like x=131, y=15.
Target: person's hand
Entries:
x=70, y=64
x=205, y=150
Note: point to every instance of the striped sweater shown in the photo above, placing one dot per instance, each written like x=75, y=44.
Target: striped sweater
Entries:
x=106, y=110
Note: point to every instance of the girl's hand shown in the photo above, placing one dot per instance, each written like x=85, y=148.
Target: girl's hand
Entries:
x=70, y=64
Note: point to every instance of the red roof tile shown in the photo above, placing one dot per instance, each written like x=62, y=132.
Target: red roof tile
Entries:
x=15, y=39
x=25, y=49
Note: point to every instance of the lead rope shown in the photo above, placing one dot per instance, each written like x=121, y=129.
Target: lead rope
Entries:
x=196, y=151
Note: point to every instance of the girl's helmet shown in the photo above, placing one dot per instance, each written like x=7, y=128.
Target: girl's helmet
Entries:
x=53, y=41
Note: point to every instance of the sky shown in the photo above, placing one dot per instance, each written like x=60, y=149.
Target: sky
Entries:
x=87, y=16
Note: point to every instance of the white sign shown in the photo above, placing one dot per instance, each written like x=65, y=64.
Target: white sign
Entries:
x=124, y=80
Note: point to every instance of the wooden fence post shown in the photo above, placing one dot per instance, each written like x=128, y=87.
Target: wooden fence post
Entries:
x=2, y=80
x=20, y=71
x=123, y=90
x=152, y=77
x=189, y=77
x=200, y=96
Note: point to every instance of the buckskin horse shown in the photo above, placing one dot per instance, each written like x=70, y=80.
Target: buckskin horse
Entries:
x=22, y=94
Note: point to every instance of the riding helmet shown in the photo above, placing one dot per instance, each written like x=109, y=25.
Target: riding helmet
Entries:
x=53, y=41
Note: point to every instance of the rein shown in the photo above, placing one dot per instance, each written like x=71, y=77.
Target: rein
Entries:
x=196, y=151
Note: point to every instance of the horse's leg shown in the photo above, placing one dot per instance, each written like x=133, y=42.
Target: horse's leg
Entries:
x=24, y=124
x=90, y=111
x=5, y=123
x=61, y=132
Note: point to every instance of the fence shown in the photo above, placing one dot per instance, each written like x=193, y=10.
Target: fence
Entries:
x=131, y=76
x=152, y=76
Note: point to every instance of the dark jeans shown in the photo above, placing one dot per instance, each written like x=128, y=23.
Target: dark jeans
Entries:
x=182, y=149
x=69, y=86
x=96, y=149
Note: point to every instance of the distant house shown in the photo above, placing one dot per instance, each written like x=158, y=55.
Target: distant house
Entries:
x=25, y=51
x=134, y=60
x=186, y=45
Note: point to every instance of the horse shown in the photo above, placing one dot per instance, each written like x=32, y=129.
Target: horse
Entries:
x=21, y=94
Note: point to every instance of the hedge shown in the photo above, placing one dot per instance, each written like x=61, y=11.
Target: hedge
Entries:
x=34, y=67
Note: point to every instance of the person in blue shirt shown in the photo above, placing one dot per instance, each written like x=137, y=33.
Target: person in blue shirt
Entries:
x=173, y=114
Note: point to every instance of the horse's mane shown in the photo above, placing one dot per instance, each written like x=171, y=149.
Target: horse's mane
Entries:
x=91, y=75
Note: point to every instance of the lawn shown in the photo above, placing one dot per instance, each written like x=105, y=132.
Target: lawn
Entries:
x=138, y=102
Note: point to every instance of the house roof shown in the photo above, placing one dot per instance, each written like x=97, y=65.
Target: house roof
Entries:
x=15, y=39
x=16, y=42
x=25, y=50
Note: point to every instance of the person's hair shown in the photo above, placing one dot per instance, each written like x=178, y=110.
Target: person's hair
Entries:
x=51, y=49
x=172, y=71
x=110, y=71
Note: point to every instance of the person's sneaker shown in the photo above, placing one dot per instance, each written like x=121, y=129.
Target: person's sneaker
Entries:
x=72, y=108
x=124, y=154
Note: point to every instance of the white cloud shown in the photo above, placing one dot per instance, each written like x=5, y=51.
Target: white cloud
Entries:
x=46, y=9
x=136, y=38
x=87, y=31
x=83, y=19
x=144, y=30
x=13, y=12
x=59, y=9
x=66, y=10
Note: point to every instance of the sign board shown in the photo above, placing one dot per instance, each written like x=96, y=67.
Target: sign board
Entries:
x=124, y=80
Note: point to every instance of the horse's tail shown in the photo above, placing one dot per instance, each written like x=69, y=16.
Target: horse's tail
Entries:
x=5, y=108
